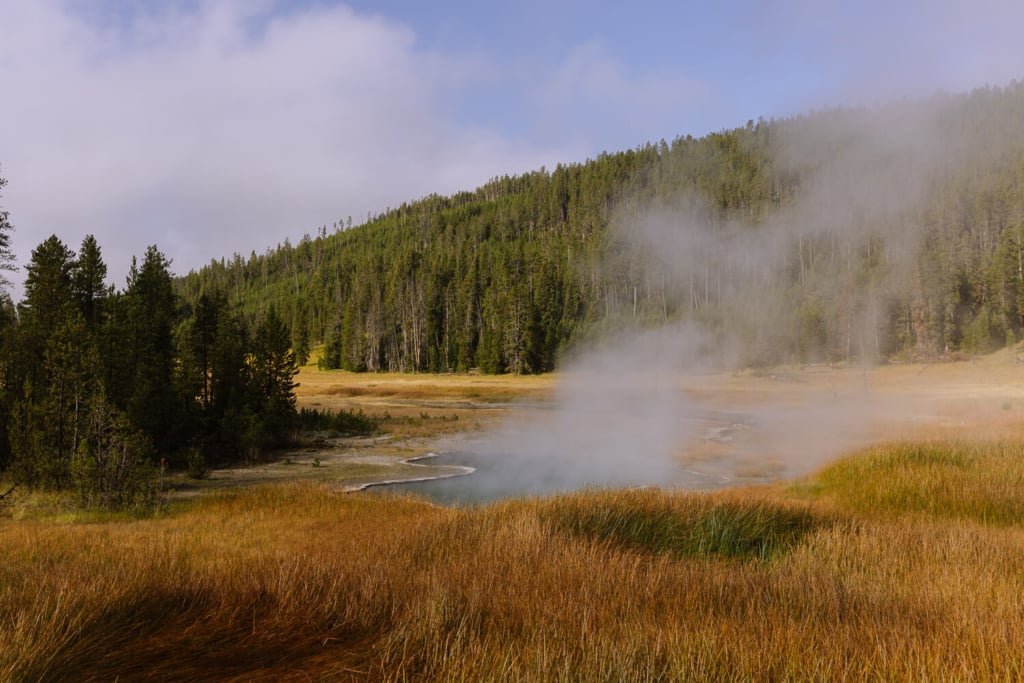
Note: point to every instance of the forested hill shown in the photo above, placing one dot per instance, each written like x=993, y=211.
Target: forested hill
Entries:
x=508, y=276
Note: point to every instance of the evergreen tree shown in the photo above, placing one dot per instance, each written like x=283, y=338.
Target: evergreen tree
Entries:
x=97, y=384
x=48, y=286
x=7, y=326
x=214, y=380
x=151, y=316
x=272, y=382
x=229, y=417
x=300, y=332
x=89, y=283
x=56, y=367
x=6, y=253
x=506, y=277
x=48, y=304
x=49, y=419
x=197, y=356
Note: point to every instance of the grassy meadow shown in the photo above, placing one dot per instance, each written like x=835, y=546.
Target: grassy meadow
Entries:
x=902, y=560
x=420, y=405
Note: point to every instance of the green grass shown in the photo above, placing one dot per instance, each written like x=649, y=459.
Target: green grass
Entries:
x=979, y=481
x=683, y=525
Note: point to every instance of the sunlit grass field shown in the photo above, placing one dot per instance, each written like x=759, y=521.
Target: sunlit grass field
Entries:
x=409, y=405
x=905, y=561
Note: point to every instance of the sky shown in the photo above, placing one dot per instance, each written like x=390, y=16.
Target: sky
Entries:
x=209, y=127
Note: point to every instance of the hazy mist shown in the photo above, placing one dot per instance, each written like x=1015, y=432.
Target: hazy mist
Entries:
x=638, y=409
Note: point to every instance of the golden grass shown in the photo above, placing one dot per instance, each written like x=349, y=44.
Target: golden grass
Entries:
x=420, y=405
x=315, y=383
x=903, y=561
x=955, y=479
x=292, y=582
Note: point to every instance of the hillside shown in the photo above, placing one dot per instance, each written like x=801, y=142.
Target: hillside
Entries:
x=847, y=234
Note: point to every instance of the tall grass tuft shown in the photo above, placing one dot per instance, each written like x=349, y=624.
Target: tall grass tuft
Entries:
x=683, y=525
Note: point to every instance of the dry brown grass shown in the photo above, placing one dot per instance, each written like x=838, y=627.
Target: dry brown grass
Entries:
x=322, y=385
x=294, y=582
x=904, y=561
x=420, y=405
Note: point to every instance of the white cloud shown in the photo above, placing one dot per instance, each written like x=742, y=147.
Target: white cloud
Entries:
x=594, y=99
x=225, y=129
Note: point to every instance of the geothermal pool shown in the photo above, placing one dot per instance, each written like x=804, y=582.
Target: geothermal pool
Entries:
x=499, y=471
x=488, y=483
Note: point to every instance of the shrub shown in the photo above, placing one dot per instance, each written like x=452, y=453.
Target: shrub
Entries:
x=343, y=421
x=195, y=464
x=112, y=466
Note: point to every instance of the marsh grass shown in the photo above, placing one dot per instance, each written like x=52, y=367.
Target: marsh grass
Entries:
x=976, y=480
x=681, y=525
x=847, y=576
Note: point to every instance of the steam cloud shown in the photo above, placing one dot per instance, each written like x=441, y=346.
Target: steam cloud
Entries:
x=633, y=410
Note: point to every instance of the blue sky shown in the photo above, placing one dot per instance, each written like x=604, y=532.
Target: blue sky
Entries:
x=214, y=126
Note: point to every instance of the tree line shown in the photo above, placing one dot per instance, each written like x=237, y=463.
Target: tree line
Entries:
x=508, y=277
x=102, y=387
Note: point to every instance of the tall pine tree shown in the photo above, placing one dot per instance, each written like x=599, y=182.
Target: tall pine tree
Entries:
x=150, y=308
x=273, y=372
x=6, y=254
x=57, y=366
x=7, y=322
x=89, y=283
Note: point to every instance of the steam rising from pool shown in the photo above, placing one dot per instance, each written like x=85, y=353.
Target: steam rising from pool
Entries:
x=630, y=411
